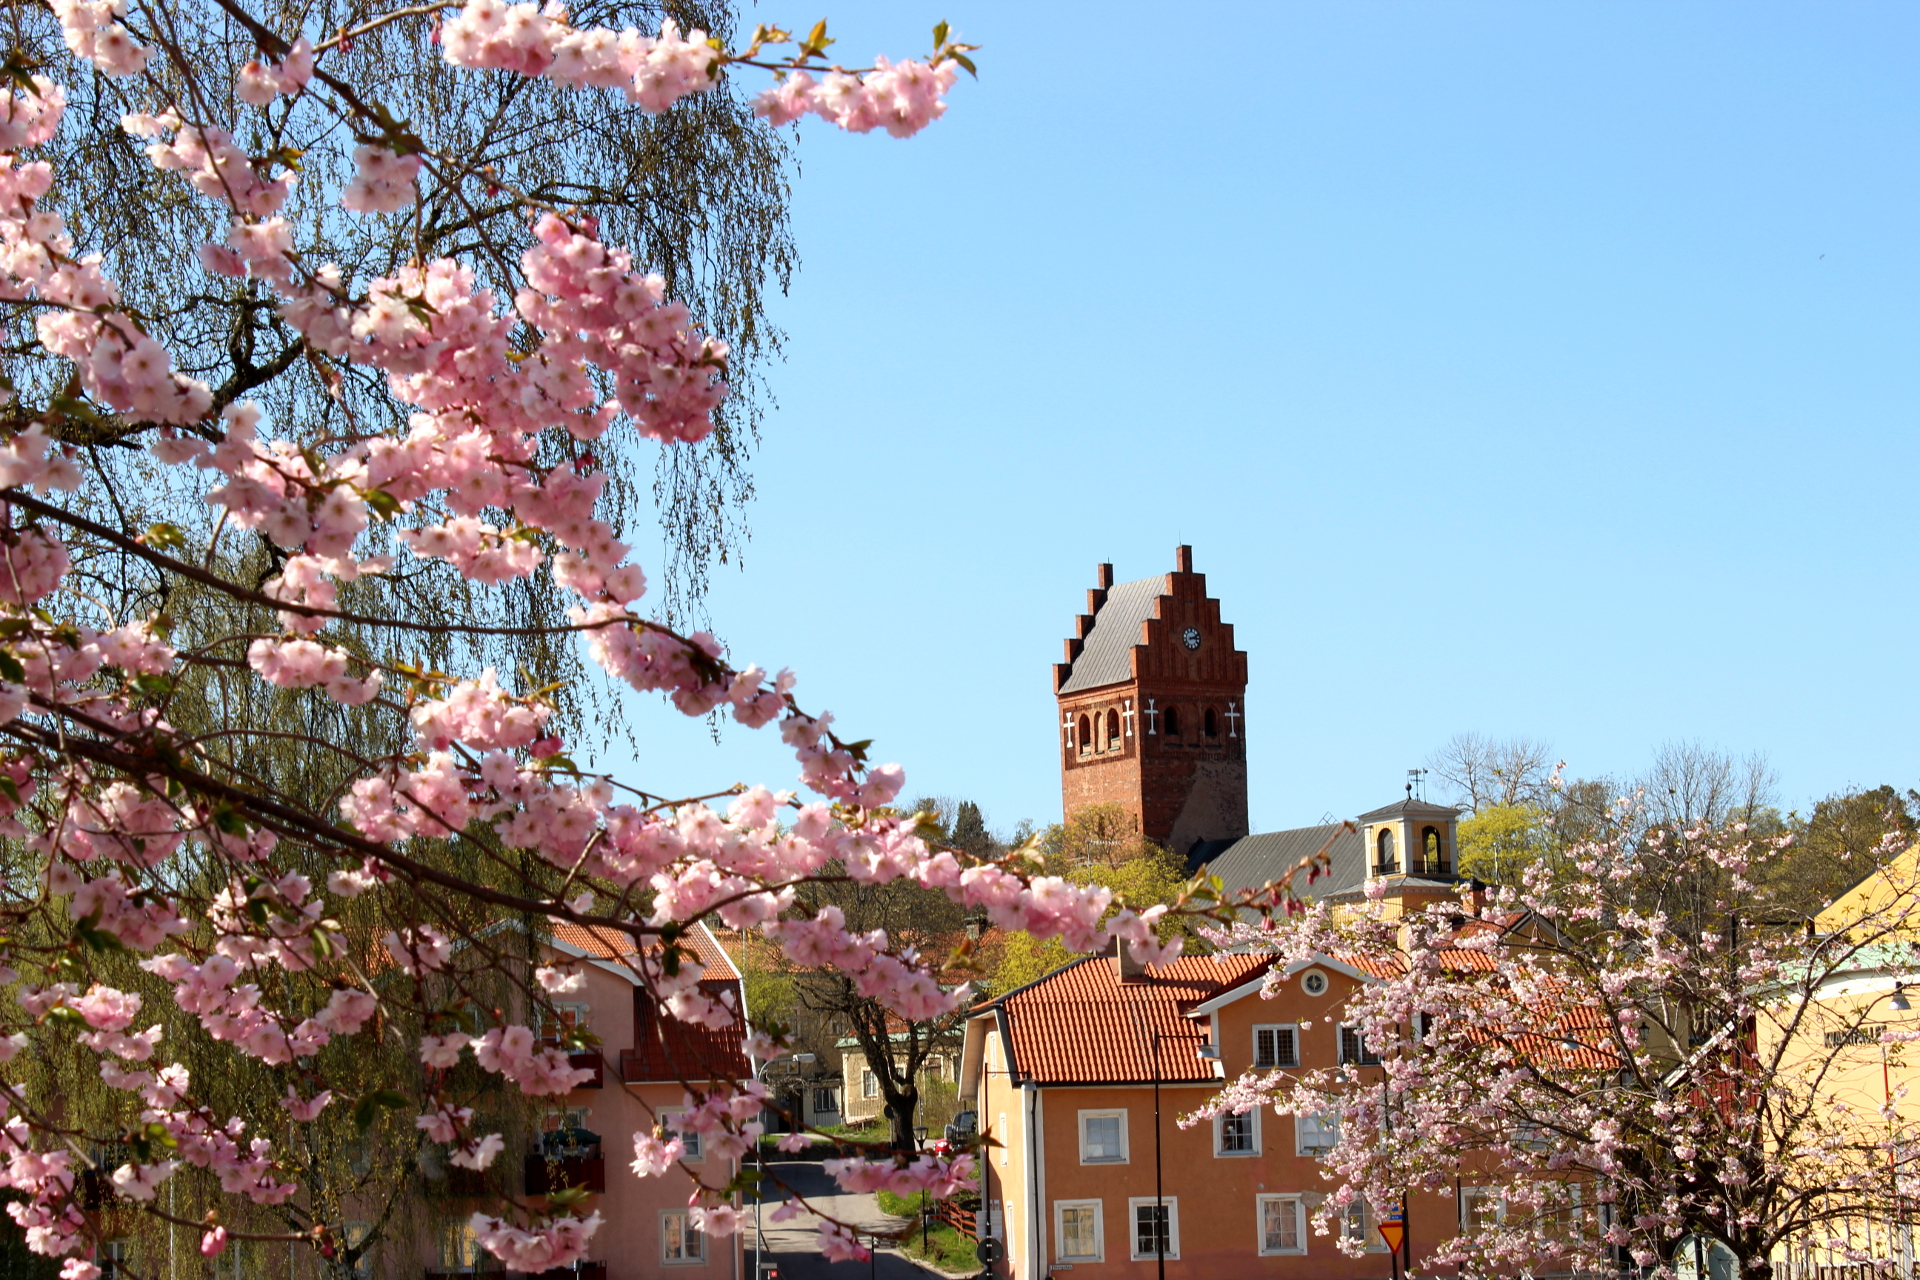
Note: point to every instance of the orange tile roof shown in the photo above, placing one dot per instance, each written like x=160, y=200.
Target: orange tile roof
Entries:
x=1081, y=1024
x=616, y=944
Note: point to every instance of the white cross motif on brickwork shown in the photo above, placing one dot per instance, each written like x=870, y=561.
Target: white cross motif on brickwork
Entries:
x=1233, y=721
x=1067, y=724
x=1153, y=719
x=1127, y=715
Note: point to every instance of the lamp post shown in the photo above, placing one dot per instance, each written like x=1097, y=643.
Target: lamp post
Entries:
x=1899, y=1004
x=760, y=1163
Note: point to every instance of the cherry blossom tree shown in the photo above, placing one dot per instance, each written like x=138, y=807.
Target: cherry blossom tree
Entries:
x=240, y=775
x=1616, y=1068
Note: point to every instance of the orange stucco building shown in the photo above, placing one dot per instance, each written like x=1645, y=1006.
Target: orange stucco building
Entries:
x=1062, y=1074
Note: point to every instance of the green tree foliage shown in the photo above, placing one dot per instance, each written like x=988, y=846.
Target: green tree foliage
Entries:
x=1498, y=842
x=1098, y=845
x=1846, y=837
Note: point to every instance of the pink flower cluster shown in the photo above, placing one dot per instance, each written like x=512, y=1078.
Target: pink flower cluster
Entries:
x=901, y=97
x=93, y=31
x=513, y=1053
x=550, y=1247
x=384, y=182
x=523, y=38
x=259, y=84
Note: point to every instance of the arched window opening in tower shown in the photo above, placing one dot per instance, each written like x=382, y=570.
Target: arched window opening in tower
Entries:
x=1173, y=722
x=1113, y=730
x=1210, y=725
x=1384, y=863
x=1435, y=851
x=1086, y=735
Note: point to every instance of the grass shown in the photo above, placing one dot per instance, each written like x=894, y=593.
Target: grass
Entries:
x=946, y=1249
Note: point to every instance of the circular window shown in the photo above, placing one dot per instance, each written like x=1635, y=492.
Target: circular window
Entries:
x=1314, y=982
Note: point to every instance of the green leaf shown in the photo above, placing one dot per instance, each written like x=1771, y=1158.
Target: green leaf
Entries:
x=164, y=537
x=154, y=686
x=566, y=1196
x=385, y=505
x=10, y=789
x=10, y=667
x=940, y=35
x=368, y=1108
x=229, y=821
x=966, y=62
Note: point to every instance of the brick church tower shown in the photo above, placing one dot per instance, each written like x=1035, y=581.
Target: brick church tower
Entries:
x=1152, y=701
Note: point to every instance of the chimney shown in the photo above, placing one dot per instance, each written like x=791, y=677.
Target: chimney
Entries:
x=1183, y=559
x=1125, y=967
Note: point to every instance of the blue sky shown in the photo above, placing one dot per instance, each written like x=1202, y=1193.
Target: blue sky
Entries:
x=1528, y=369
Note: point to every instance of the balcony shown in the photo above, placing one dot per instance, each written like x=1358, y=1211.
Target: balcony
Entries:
x=544, y=1175
x=592, y=1060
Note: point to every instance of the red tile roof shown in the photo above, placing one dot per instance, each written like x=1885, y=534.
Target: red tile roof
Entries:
x=616, y=944
x=1081, y=1024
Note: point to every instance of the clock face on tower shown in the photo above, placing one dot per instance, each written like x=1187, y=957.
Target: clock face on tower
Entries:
x=1191, y=637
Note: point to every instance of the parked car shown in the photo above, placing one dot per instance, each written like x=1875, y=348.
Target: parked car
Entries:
x=962, y=1131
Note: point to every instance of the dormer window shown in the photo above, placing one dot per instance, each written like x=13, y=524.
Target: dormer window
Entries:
x=1384, y=863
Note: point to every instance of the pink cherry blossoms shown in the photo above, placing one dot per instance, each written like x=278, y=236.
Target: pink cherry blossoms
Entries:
x=435, y=821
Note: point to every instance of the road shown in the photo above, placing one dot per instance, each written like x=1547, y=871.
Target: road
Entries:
x=794, y=1244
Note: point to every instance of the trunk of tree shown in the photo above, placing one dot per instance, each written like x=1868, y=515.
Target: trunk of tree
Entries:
x=903, y=1104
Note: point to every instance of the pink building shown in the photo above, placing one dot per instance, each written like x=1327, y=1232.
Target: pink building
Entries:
x=642, y=1070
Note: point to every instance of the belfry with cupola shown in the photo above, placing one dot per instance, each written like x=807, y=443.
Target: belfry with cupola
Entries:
x=1151, y=699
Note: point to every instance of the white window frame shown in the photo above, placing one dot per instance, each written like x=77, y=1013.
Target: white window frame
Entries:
x=546, y=1028
x=1299, y=1209
x=694, y=1254
x=1321, y=1120
x=1369, y=1226
x=1472, y=1195
x=1252, y=1117
x=1060, y=1253
x=695, y=1152
x=869, y=1083
x=830, y=1094
x=1292, y=1029
x=1133, y=1227
x=1107, y=1113
x=1368, y=1056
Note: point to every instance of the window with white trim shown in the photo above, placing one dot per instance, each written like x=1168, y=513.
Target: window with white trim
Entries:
x=670, y=1128
x=1355, y=1050
x=1357, y=1225
x=869, y=1083
x=1237, y=1135
x=680, y=1242
x=1316, y=1133
x=825, y=1099
x=556, y=1026
x=1282, y=1225
x=1077, y=1231
x=1276, y=1045
x=1156, y=1227
x=1480, y=1209
x=1103, y=1137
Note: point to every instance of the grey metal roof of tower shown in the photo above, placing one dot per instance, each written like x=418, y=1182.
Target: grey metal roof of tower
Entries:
x=1252, y=861
x=1106, y=656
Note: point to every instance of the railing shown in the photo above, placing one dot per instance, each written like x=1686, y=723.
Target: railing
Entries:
x=965, y=1221
x=544, y=1175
